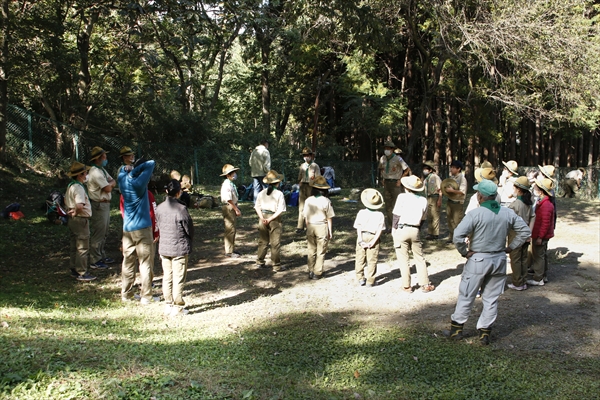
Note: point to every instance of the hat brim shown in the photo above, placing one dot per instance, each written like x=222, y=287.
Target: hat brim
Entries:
x=429, y=165
x=278, y=179
x=99, y=155
x=71, y=174
x=510, y=169
x=229, y=171
x=364, y=200
x=541, y=186
x=452, y=183
x=408, y=186
x=129, y=153
x=318, y=186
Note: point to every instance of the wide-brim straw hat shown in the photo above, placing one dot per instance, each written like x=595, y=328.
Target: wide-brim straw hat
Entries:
x=186, y=182
x=398, y=150
x=487, y=164
x=547, y=170
x=454, y=185
x=389, y=143
x=175, y=175
x=545, y=184
x=522, y=182
x=582, y=170
x=307, y=151
x=227, y=169
x=412, y=183
x=77, y=168
x=97, y=152
x=371, y=198
x=320, y=183
x=272, y=177
x=430, y=164
x=485, y=173
x=512, y=166
x=125, y=151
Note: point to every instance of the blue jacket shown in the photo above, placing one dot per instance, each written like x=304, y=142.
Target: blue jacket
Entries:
x=134, y=188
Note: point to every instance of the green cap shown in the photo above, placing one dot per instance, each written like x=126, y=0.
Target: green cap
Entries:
x=486, y=188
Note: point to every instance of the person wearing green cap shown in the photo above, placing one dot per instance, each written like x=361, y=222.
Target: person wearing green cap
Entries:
x=487, y=228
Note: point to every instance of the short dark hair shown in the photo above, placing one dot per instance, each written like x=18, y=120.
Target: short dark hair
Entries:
x=264, y=141
x=173, y=187
x=457, y=164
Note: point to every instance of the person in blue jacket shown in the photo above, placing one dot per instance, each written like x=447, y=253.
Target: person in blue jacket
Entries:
x=137, y=230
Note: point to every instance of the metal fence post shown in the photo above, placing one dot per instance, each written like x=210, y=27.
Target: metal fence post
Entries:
x=197, y=180
x=30, y=129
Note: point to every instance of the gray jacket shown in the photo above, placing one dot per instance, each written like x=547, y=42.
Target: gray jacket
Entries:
x=176, y=228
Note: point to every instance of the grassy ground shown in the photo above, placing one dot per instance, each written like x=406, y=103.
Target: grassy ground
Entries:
x=60, y=339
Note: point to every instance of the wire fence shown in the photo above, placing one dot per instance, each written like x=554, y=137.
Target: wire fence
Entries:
x=47, y=145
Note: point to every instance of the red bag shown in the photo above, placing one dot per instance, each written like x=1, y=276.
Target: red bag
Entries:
x=16, y=215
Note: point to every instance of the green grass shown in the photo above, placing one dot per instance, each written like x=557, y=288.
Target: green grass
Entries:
x=63, y=340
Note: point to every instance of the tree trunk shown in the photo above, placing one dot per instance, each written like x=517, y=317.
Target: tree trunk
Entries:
x=266, y=90
x=556, y=156
x=4, y=38
x=437, y=139
x=449, y=133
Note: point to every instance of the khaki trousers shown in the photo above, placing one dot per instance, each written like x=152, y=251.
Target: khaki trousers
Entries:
x=365, y=265
x=317, y=240
x=137, y=245
x=433, y=216
x=174, y=273
x=390, y=194
x=454, y=214
x=99, y=223
x=404, y=239
x=270, y=234
x=488, y=272
x=518, y=264
x=80, y=243
x=305, y=192
x=230, y=219
x=538, y=259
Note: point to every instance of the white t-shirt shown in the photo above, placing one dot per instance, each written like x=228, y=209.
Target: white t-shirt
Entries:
x=369, y=221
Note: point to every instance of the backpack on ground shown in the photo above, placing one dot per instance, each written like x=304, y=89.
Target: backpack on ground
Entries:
x=55, y=208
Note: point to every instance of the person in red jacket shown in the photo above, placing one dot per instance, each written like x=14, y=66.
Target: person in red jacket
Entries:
x=543, y=231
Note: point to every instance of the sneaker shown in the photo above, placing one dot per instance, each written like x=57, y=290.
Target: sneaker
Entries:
x=408, y=289
x=532, y=282
x=74, y=273
x=478, y=293
x=545, y=280
x=126, y=299
x=427, y=288
x=99, y=265
x=168, y=309
x=262, y=266
x=518, y=288
x=311, y=275
x=176, y=311
x=233, y=255
x=86, y=278
x=362, y=282
x=279, y=269
x=371, y=284
x=316, y=277
x=108, y=260
x=145, y=301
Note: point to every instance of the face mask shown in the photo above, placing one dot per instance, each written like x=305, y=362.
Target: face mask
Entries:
x=234, y=177
x=85, y=179
x=388, y=152
x=104, y=163
x=307, y=160
x=425, y=172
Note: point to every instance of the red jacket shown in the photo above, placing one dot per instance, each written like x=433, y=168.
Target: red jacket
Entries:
x=544, y=220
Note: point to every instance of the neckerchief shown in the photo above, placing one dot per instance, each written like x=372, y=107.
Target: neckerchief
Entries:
x=387, y=163
x=491, y=205
x=520, y=198
x=101, y=169
x=76, y=182
x=307, y=168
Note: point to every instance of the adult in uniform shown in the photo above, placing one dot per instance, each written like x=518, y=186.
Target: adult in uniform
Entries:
x=455, y=188
x=308, y=172
x=260, y=164
x=433, y=193
x=100, y=185
x=487, y=228
x=318, y=213
x=270, y=204
x=409, y=212
x=391, y=168
x=229, y=208
x=79, y=211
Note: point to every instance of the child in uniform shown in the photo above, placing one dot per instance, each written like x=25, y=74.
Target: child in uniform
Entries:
x=369, y=225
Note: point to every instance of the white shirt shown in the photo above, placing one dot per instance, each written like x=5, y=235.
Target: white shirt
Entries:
x=317, y=210
x=229, y=192
x=275, y=202
x=369, y=221
x=410, y=208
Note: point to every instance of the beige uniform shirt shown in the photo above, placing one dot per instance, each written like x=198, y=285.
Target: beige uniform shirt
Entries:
x=392, y=167
x=433, y=184
x=97, y=179
x=410, y=208
x=229, y=192
x=317, y=210
x=369, y=221
x=76, y=195
x=273, y=203
x=462, y=185
x=308, y=172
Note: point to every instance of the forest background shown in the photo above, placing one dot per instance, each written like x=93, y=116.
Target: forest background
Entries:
x=469, y=80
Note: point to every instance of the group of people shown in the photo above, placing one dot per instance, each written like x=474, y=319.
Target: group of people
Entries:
x=506, y=216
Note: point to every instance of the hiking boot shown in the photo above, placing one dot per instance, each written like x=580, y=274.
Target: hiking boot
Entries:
x=484, y=335
x=455, y=332
x=86, y=277
x=99, y=265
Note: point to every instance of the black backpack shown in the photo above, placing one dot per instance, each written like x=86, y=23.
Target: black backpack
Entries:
x=55, y=208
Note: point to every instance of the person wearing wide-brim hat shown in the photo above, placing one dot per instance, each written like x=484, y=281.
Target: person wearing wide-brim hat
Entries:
x=229, y=207
x=369, y=225
x=505, y=184
x=391, y=168
x=572, y=182
x=480, y=174
x=487, y=228
x=523, y=207
x=409, y=213
x=542, y=232
x=455, y=189
x=433, y=193
x=79, y=211
x=100, y=186
x=318, y=213
x=128, y=157
x=307, y=173
x=270, y=204
x=547, y=170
